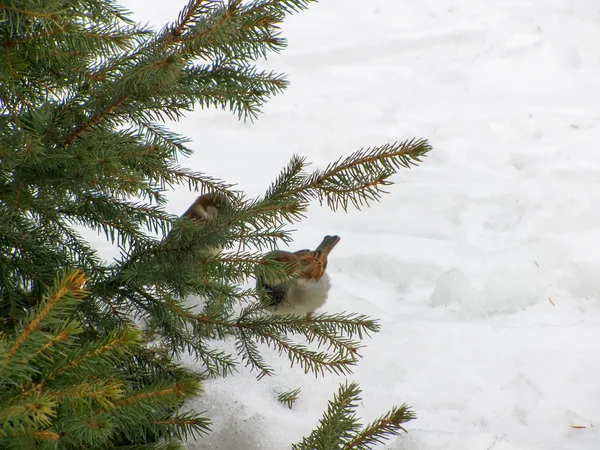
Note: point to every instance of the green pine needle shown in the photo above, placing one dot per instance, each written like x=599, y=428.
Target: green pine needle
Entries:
x=340, y=429
x=288, y=398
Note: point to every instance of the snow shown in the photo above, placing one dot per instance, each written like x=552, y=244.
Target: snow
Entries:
x=482, y=264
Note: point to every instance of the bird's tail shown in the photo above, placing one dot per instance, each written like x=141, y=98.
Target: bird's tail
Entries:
x=327, y=245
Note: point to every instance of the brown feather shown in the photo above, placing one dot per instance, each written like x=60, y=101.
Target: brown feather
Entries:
x=206, y=207
x=314, y=262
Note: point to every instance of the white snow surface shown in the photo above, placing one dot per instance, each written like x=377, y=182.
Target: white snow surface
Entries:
x=483, y=264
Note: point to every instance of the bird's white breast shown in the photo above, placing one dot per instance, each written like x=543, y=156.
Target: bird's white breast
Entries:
x=305, y=296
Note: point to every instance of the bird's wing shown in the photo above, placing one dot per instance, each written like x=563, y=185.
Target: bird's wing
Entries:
x=313, y=264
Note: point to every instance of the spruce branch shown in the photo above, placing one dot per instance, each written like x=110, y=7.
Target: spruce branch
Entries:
x=247, y=348
x=184, y=426
x=274, y=335
x=171, y=319
x=359, y=178
x=31, y=12
x=69, y=288
x=288, y=398
x=93, y=120
x=333, y=332
x=184, y=388
x=63, y=334
x=190, y=15
x=340, y=429
x=62, y=378
x=118, y=220
x=31, y=436
x=241, y=90
x=114, y=344
x=28, y=411
x=101, y=392
x=159, y=136
x=338, y=424
x=197, y=181
x=390, y=424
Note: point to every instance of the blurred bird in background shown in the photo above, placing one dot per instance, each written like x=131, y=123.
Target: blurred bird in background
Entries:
x=205, y=209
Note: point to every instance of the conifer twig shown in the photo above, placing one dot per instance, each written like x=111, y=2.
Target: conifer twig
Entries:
x=71, y=286
x=288, y=398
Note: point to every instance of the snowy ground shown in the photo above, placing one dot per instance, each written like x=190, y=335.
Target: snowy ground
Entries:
x=460, y=260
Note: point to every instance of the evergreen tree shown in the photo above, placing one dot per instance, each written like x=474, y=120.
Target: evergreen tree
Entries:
x=59, y=391
x=83, y=92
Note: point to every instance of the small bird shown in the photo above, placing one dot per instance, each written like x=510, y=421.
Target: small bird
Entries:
x=206, y=208
x=309, y=289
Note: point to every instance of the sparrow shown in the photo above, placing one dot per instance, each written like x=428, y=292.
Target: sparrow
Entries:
x=309, y=287
x=206, y=208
